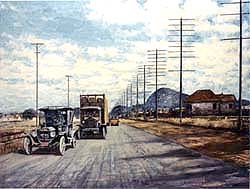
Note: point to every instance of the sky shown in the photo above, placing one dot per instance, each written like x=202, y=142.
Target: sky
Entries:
x=102, y=43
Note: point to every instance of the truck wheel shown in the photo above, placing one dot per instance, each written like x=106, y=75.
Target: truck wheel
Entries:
x=73, y=143
x=102, y=133
x=27, y=145
x=61, y=146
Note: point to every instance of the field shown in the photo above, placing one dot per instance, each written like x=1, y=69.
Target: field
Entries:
x=221, y=144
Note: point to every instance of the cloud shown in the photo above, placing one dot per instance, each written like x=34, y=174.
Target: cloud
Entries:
x=101, y=46
x=122, y=12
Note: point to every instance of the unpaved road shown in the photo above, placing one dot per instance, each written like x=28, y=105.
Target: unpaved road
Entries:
x=128, y=158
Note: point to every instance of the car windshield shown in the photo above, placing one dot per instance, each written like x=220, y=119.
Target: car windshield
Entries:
x=94, y=113
x=51, y=118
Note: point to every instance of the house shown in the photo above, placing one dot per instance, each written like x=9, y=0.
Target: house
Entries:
x=205, y=102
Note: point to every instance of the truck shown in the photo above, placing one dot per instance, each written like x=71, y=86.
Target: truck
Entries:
x=55, y=130
x=93, y=115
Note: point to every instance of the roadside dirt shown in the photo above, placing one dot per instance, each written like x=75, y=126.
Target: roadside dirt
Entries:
x=225, y=145
x=127, y=158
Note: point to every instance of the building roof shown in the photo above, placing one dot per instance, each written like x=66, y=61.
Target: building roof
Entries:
x=226, y=97
x=208, y=95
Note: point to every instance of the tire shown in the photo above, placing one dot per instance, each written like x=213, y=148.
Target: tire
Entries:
x=73, y=143
x=78, y=135
x=27, y=145
x=102, y=133
x=61, y=146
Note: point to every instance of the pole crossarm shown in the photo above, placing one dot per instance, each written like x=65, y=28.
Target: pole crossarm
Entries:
x=186, y=46
x=182, y=70
x=232, y=3
x=234, y=38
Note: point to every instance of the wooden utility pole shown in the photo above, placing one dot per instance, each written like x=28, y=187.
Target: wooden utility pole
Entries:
x=37, y=52
x=180, y=35
x=68, y=76
x=240, y=38
x=157, y=56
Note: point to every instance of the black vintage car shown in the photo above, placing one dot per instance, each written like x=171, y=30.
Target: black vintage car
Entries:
x=55, y=130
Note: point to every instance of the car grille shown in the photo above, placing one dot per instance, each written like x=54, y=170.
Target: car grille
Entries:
x=44, y=136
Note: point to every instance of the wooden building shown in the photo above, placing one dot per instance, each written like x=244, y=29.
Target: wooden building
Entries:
x=205, y=102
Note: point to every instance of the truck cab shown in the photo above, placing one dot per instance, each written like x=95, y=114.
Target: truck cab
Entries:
x=93, y=115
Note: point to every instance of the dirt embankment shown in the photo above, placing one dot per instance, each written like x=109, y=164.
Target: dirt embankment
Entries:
x=224, y=145
x=12, y=133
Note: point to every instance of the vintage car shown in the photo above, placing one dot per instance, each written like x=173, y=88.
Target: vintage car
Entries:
x=114, y=121
x=55, y=130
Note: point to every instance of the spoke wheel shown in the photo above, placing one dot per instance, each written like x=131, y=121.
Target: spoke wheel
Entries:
x=27, y=145
x=61, y=146
x=73, y=143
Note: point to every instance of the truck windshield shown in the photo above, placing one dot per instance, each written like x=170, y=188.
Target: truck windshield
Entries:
x=94, y=113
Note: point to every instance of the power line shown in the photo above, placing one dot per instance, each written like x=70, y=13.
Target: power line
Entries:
x=240, y=54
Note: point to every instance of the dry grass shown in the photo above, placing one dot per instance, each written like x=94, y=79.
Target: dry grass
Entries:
x=220, y=144
x=205, y=122
x=12, y=133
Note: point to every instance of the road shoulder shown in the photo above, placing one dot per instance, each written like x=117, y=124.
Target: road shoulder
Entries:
x=223, y=145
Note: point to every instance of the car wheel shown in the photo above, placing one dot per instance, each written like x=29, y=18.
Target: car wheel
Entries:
x=73, y=143
x=61, y=146
x=27, y=145
x=78, y=134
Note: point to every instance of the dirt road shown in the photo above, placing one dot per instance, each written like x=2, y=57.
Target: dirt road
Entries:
x=128, y=158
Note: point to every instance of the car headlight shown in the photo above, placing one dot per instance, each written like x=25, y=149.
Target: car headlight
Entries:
x=52, y=134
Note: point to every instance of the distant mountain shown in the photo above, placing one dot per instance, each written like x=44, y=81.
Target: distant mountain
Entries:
x=116, y=111
x=167, y=98
x=245, y=102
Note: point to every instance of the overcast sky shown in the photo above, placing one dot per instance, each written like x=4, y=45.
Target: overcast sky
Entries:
x=101, y=43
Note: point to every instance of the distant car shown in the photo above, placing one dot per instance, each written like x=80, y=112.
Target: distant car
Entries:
x=114, y=121
x=55, y=131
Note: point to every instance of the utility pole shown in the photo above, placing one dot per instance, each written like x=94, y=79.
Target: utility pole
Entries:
x=126, y=99
x=240, y=52
x=137, y=95
x=142, y=70
x=68, y=76
x=131, y=95
x=157, y=56
x=37, y=52
x=135, y=82
x=180, y=35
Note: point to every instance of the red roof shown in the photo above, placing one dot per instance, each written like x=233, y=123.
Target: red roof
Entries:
x=208, y=95
x=226, y=97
